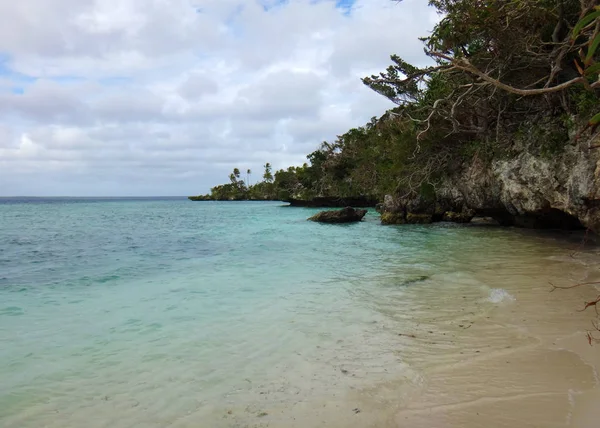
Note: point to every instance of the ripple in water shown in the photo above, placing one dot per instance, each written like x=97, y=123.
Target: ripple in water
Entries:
x=172, y=313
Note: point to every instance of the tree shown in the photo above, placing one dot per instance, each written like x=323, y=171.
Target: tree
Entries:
x=268, y=176
x=248, y=173
x=486, y=52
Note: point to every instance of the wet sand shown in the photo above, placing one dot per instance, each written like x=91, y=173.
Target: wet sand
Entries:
x=523, y=362
x=491, y=348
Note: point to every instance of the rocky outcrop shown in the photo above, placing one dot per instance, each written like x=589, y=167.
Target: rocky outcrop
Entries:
x=528, y=189
x=345, y=215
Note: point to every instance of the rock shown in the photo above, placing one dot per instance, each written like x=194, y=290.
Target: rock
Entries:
x=455, y=217
x=526, y=189
x=392, y=211
x=412, y=218
x=345, y=215
x=392, y=218
x=400, y=217
x=488, y=221
x=416, y=280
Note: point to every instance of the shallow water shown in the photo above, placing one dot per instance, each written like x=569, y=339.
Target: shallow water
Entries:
x=155, y=313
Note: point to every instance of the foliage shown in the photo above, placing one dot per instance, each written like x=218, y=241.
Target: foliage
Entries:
x=589, y=67
x=498, y=65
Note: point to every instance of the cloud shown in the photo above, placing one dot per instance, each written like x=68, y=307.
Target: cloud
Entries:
x=146, y=97
x=197, y=84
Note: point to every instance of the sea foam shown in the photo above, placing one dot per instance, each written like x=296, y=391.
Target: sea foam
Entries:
x=499, y=295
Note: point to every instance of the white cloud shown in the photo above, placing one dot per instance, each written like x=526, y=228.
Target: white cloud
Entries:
x=197, y=84
x=166, y=96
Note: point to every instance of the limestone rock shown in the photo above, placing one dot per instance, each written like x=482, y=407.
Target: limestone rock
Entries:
x=527, y=189
x=412, y=218
x=392, y=218
x=454, y=217
x=345, y=215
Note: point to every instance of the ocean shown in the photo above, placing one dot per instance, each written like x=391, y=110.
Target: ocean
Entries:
x=161, y=312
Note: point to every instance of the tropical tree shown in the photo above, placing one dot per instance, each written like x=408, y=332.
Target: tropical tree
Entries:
x=268, y=176
x=487, y=53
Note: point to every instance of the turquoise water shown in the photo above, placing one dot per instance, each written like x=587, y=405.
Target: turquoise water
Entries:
x=165, y=312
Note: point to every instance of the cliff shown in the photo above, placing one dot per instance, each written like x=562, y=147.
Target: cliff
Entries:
x=530, y=188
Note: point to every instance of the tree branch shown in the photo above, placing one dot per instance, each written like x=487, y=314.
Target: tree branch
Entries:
x=465, y=65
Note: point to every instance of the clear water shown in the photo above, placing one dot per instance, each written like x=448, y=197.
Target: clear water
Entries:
x=165, y=312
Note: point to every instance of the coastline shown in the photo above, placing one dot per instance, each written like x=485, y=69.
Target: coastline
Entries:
x=319, y=202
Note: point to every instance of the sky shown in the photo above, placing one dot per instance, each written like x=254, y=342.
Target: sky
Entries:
x=166, y=97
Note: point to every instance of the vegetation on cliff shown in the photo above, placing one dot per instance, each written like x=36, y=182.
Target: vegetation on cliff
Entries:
x=497, y=67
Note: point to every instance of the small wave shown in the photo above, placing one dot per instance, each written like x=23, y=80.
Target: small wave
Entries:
x=499, y=295
x=21, y=240
x=12, y=311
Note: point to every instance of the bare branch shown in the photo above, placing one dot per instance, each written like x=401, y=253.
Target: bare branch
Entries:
x=465, y=65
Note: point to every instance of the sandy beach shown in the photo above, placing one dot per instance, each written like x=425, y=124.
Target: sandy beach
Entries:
x=509, y=353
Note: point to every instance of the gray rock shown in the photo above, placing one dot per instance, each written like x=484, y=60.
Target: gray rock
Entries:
x=345, y=215
x=527, y=190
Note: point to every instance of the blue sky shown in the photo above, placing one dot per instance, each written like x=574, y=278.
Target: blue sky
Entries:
x=121, y=97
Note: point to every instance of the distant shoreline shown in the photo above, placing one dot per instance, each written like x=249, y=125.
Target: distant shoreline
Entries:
x=319, y=202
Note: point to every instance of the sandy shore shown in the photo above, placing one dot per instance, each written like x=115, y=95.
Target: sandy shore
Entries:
x=494, y=348
x=523, y=361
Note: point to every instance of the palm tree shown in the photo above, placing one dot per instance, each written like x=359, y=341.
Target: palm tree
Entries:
x=248, y=173
x=268, y=176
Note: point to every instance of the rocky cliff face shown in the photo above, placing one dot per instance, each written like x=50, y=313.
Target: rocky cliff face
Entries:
x=527, y=189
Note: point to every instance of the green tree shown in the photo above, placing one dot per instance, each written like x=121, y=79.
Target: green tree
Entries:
x=489, y=52
x=268, y=176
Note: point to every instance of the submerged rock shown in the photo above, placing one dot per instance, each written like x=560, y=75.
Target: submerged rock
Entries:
x=420, y=278
x=345, y=215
